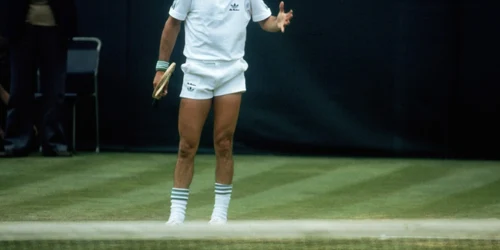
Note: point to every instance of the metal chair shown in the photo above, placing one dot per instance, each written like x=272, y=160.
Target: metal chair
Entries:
x=83, y=63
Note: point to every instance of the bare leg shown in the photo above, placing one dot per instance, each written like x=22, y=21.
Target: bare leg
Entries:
x=192, y=117
x=226, y=111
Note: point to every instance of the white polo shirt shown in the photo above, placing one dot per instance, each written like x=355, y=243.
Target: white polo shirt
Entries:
x=217, y=29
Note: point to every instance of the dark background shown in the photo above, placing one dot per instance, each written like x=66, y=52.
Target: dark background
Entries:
x=362, y=77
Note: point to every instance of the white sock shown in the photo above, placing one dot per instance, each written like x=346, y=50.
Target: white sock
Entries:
x=222, y=198
x=179, y=199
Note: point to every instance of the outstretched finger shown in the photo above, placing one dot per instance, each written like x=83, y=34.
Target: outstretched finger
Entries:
x=282, y=6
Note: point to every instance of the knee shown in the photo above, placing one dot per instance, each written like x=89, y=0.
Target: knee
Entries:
x=187, y=149
x=224, y=144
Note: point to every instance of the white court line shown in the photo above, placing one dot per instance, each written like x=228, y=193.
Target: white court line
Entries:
x=487, y=229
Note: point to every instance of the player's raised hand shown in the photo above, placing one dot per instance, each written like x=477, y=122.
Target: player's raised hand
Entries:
x=283, y=19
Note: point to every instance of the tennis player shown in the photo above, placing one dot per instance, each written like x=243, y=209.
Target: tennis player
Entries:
x=215, y=36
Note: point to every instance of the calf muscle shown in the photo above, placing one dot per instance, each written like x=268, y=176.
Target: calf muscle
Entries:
x=226, y=111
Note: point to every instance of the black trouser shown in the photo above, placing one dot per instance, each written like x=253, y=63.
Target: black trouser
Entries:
x=4, y=83
x=45, y=49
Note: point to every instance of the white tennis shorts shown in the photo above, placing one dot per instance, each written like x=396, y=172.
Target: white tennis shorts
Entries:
x=208, y=79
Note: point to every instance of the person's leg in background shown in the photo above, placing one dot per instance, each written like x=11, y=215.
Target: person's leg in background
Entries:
x=53, y=58
x=4, y=98
x=4, y=80
x=19, y=122
x=2, y=110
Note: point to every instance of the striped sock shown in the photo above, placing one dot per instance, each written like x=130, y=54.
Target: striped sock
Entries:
x=222, y=198
x=179, y=198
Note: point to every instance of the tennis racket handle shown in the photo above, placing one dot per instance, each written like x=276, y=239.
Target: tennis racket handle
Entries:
x=155, y=103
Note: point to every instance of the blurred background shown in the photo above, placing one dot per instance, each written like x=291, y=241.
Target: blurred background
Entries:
x=349, y=77
x=363, y=77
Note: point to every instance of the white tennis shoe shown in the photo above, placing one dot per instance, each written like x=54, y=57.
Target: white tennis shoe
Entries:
x=217, y=221
x=174, y=221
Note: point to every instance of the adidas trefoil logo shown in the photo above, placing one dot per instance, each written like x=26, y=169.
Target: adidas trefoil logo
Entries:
x=190, y=86
x=234, y=7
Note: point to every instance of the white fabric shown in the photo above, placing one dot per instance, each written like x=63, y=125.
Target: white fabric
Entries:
x=207, y=79
x=216, y=29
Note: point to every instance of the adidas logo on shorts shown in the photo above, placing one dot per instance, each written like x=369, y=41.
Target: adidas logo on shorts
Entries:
x=234, y=7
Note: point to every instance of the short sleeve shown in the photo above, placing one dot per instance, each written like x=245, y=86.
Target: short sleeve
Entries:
x=180, y=9
x=260, y=11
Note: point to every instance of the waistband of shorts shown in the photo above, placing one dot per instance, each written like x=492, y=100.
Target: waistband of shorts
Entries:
x=211, y=62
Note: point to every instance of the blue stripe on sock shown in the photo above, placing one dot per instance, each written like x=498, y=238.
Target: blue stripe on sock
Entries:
x=179, y=194
x=223, y=189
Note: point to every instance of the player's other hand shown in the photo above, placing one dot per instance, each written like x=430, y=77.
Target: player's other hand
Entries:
x=156, y=81
x=283, y=19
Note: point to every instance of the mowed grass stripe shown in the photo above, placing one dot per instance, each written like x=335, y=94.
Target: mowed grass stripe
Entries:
x=465, y=203
x=202, y=188
x=98, y=192
x=256, y=206
x=117, y=204
x=321, y=205
x=152, y=202
x=40, y=169
x=489, y=211
x=403, y=203
x=11, y=166
x=22, y=166
x=34, y=170
x=119, y=168
x=287, y=171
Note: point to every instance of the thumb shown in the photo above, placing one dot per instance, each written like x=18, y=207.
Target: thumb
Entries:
x=282, y=7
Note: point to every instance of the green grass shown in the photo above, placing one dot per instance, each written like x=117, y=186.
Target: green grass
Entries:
x=253, y=245
x=119, y=186
x=115, y=186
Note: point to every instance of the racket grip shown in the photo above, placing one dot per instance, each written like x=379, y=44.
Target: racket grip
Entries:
x=155, y=103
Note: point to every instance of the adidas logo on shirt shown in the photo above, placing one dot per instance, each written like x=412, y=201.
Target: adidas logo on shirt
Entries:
x=234, y=7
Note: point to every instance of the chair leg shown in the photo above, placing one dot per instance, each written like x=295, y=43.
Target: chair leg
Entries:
x=74, y=126
x=97, y=149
